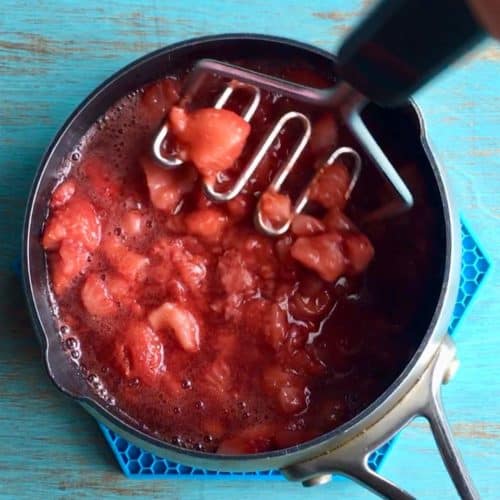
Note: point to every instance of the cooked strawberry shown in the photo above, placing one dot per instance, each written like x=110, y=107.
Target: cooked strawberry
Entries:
x=307, y=225
x=180, y=263
x=359, y=251
x=218, y=376
x=322, y=254
x=103, y=178
x=139, y=353
x=97, y=298
x=292, y=399
x=118, y=286
x=212, y=139
x=242, y=206
x=207, y=223
x=158, y=98
x=234, y=273
x=167, y=187
x=192, y=270
x=283, y=246
x=180, y=321
x=275, y=208
x=288, y=388
x=63, y=193
x=67, y=264
x=275, y=326
x=133, y=223
x=125, y=261
x=76, y=221
x=330, y=185
x=335, y=220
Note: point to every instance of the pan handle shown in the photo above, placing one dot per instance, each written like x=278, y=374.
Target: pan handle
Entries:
x=423, y=399
x=436, y=416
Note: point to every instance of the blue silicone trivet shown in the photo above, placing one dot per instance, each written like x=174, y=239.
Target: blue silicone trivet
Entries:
x=141, y=464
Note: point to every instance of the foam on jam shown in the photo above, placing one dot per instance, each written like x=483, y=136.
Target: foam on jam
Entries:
x=201, y=330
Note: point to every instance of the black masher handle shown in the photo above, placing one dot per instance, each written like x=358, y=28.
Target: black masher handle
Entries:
x=402, y=44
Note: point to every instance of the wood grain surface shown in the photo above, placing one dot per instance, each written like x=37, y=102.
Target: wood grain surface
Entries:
x=52, y=54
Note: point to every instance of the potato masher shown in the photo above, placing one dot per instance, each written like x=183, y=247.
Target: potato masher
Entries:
x=385, y=59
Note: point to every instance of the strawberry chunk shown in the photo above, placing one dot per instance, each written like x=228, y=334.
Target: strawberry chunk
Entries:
x=293, y=399
x=329, y=187
x=359, y=251
x=275, y=208
x=103, y=178
x=192, y=270
x=63, y=193
x=97, y=298
x=289, y=389
x=139, y=353
x=275, y=326
x=241, y=207
x=133, y=223
x=218, y=376
x=234, y=274
x=158, y=98
x=212, y=139
x=67, y=264
x=77, y=221
x=322, y=254
x=125, y=261
x=167, y=187
x=180, y=321
x=182, y=259
x=307, y=225
x=335, y=220
x=207, y=223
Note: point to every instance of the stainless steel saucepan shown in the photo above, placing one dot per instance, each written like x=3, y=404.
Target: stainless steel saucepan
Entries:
x=415, y=392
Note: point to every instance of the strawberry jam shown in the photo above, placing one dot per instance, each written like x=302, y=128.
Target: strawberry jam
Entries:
x=202, y=331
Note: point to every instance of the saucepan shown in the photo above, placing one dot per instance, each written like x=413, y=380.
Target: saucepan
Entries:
x=415, y=392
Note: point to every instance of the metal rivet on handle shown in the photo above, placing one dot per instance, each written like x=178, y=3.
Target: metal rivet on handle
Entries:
x=317, y=480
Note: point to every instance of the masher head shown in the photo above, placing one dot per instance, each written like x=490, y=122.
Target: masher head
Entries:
x=346, y=101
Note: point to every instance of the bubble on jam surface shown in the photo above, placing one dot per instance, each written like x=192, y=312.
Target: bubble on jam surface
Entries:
x=64, y=329
x=135, y=382
x=95, y=381
x=187, y=384
x=76, y=156
x=177, y=441
x=71, y=342
x=75, y=354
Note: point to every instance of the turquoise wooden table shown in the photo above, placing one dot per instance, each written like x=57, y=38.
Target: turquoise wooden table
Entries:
x=52, y=54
